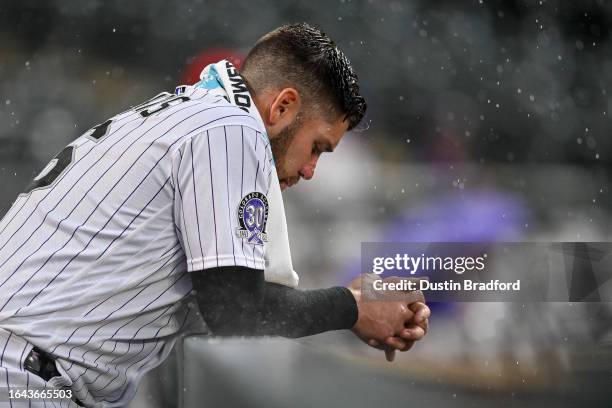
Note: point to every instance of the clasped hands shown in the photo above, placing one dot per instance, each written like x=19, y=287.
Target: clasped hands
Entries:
x=390, y=325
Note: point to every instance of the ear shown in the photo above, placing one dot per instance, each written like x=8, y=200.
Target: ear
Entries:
x=284, y=107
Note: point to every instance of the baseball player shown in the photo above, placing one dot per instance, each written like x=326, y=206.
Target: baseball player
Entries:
x=177, y=199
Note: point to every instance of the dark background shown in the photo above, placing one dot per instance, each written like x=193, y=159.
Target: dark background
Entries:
x=490, y=81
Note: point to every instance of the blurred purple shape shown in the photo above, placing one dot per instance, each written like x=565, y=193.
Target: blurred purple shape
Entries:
x=468, y=216
x=485, y=215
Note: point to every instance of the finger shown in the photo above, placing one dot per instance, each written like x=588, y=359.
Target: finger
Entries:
x=412, y=332
x=390, y=354
x=409, y=345
x=375, y=344
x=415, y=332
x=395, y=342
x=414, y=296
x=406, y=312
x=425, y=325
x=421, y=311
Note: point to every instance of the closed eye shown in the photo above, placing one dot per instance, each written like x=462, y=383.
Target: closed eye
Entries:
x=318, y=149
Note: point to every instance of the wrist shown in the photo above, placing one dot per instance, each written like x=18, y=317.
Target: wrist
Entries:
x=356, y=292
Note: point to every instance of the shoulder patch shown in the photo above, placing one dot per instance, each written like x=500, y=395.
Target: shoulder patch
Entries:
x=252, y=218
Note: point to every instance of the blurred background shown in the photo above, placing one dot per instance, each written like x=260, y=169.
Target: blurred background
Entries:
x=487, y=121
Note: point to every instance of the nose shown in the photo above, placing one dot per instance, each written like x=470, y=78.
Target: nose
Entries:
x=307, y=172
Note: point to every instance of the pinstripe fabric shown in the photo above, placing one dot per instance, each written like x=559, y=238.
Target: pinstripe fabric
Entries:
x=13, y=376
x=94, y=267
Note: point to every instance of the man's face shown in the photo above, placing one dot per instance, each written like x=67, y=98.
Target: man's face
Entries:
x=297, y=147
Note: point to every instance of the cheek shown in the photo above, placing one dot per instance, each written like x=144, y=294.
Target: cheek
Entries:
x=297, y=156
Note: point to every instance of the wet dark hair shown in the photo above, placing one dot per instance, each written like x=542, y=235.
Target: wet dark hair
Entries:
x=302, y=56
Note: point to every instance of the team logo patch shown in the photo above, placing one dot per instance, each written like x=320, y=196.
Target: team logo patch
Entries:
x=252, y=217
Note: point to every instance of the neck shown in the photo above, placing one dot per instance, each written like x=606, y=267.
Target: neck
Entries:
x=262, y=102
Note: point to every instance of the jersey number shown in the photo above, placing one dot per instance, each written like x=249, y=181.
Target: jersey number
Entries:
x=63, y=159
x=254, y=216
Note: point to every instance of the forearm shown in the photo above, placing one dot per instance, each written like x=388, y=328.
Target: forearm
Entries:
x=238, y=301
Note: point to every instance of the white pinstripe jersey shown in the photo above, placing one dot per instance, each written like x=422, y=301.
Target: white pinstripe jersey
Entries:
x=94, y=259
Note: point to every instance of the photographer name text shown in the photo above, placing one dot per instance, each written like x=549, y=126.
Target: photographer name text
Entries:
x=447, y=285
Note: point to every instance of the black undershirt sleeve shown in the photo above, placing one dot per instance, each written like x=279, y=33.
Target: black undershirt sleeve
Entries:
x=236, y=300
